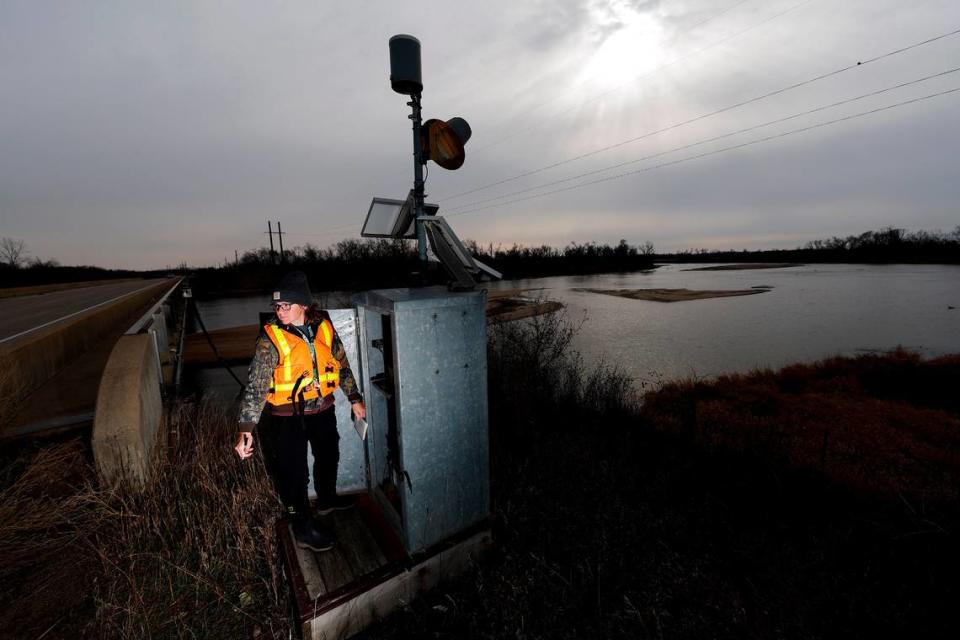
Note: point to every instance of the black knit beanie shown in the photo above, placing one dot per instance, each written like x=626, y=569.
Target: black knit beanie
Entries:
x=293, y=288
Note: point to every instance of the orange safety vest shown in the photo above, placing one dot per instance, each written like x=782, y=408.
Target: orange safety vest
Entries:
x=295, y=368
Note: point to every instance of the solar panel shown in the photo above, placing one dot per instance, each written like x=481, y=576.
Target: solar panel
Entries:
x=452, y=254
x=388, y=218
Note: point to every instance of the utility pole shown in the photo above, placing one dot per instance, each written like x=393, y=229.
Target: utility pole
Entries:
x=280, y=237
x=272, y=252
x=236, y=257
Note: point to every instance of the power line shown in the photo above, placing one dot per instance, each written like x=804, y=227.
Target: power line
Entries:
x=717, y=151
x=331, y=231
x=713, y=17
x=707, y=141
x=352, y=225
x=516, y=134
x=471, y=207
x=737, y=105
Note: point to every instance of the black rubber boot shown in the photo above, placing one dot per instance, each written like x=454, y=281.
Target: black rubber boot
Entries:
x=309, y=536
x=334, y=503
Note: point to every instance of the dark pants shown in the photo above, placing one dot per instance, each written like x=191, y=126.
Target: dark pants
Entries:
x=284, y=440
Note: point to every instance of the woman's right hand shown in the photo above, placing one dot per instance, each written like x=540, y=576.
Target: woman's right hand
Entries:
x=244, y=446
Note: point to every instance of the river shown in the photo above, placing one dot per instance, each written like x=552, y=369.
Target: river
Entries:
x=808, y=313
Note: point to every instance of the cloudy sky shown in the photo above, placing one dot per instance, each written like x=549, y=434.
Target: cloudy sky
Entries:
x=146, y=134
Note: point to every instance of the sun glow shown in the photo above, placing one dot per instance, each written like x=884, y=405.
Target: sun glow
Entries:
x=632, y=50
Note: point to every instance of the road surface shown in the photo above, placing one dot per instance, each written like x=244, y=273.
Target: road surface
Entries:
x=22, y=315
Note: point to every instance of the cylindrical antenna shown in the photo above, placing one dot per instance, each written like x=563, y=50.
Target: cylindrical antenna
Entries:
x=405, y=65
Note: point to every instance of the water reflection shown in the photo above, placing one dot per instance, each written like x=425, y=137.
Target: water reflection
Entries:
x=810, y=312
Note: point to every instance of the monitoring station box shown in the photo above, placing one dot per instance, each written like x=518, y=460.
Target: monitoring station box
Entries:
x=423, y=358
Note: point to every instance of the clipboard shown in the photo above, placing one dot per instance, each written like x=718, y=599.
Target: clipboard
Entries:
x=361, y=427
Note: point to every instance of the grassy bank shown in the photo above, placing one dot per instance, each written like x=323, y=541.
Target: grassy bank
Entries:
x=710, y=511
x=192, y=554
x=881, y=426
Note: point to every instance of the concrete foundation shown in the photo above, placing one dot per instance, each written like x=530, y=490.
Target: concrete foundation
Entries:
x=129, y=409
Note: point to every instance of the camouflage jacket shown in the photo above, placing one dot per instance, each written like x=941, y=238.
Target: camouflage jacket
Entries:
x=260, y=379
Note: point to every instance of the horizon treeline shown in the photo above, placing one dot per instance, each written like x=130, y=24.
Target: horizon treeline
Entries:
x=362, y=263
x=886, y=246
x=37, y=273
x=369, y=263
x=352, y=264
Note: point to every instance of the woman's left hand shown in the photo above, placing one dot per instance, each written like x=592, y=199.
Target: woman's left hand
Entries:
x=359, y=411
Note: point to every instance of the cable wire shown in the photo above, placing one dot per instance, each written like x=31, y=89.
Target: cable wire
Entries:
x=702, y=142
x=737, y=105
x=717, y=151
x=213, y=347
x=473, y=206
x=705, y=141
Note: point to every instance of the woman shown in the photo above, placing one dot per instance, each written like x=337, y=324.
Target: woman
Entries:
x=297, y=365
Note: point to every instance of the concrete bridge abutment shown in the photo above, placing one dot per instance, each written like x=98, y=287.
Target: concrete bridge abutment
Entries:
x=129, y=411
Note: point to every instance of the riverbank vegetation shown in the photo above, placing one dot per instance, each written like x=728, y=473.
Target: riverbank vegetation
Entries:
x=368, y=263
x=615, y=520
x=881, y=426
x=371, y=263
x=886, y=246
x=712, y=509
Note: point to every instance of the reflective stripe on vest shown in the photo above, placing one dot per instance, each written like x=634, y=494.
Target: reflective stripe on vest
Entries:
x=330, y=371
x=295, y=365
x=283, y=347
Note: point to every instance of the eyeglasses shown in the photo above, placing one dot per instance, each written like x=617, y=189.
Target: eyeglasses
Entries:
x=282, y=306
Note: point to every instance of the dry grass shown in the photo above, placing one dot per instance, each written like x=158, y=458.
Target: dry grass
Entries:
x=609, y=526
x=533, y=359
x=611, y=520
x=885, y=425
x=192, y=554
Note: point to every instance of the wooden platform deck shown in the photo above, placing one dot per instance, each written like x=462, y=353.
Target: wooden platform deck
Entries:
x=357, y=553
x=368, y=574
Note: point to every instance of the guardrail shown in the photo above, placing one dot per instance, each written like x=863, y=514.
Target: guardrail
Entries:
x=157, y=322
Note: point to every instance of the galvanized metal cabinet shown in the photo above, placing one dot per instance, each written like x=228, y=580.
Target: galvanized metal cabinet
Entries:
x=423, y=354
x=351, y=474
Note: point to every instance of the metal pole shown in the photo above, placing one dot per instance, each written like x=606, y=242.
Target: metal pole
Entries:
x=280, y=238
x=270, y=231
x=418, y=180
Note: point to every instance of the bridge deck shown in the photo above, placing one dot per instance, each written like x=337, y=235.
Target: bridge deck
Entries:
x=25, y=315
x=64, y=399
